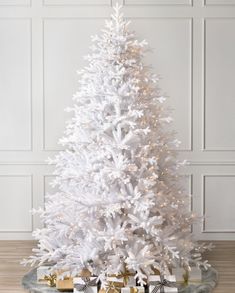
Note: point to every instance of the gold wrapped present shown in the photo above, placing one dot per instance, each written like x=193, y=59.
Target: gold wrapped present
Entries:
x=112, y=287
x=44, y=276
x=65, y=284
x=136, y=289
x=126, y=277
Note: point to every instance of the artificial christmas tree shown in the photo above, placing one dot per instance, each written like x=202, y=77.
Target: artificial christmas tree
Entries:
x=120, y=204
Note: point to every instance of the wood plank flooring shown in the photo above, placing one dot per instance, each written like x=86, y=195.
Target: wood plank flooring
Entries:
x=12, y=252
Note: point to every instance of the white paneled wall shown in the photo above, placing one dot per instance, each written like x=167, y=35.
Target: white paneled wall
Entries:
x=41, y=47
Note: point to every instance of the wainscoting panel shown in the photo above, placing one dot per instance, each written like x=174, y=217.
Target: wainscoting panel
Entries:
x=16, y=203
x=219, y=91
x=15, y=89
x=162, y=35
x=218, y=203
x=65, y=42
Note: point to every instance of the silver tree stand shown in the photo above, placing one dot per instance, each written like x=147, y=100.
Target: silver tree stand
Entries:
x=209, y=281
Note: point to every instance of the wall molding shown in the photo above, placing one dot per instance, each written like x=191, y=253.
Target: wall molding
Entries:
x=30, y=176
x=69, y=3
x=6, y=3
x=30, y=90
x=204, y=230
x=158, y=2
x=204, y=42
x=217, y=3
x=190, y=19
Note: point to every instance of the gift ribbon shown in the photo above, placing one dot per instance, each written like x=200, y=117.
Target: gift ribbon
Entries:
x=159, y=285
x=115, y=286
x=86, y=286
x=51, y=280
x=134, y=290
x=125, y=275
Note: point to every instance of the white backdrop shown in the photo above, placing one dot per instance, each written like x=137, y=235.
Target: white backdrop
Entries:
x=41, y=47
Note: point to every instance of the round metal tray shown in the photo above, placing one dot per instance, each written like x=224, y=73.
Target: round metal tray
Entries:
x=209, y=281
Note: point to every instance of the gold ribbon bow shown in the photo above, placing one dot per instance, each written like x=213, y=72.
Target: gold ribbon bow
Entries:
x=125, y=275
x=51, y=280
x=133, y=290
x=113, y=287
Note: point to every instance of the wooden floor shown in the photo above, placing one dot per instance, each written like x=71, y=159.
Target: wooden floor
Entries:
x=11, y=253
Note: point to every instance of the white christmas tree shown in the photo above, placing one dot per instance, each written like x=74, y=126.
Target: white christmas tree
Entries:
x=120, y=203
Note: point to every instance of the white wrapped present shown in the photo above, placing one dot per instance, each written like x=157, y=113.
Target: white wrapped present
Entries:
x=85, y=285
x=134, y=289
x=162, y=284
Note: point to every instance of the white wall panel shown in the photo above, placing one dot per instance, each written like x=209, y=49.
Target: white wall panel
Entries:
x=16, y=203
x=171, y=59
x=158, y=2
x=15, y=87
x=219, y=203
x=65, y=43
x=76, y=2
x=219, y=84
x=219, y=2
x=15, y=2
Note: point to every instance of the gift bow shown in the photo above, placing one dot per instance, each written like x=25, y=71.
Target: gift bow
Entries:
x=134, y=290
x=51, y=280
x=86, y=286
x=115, y=286
x=159, y=285
x=125, y=275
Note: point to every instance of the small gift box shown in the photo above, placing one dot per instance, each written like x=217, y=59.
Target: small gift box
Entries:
x=112, y=287
x=85, y=284
x=127, y=278
x=135, y=289
x=45, y=277
x=162, y=284
x=64, y=284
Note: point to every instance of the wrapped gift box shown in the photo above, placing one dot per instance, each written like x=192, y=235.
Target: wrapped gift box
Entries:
x=126, y=278
x=86, y=285
x=156, y=281
x=65, y=284
x=135, y=289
